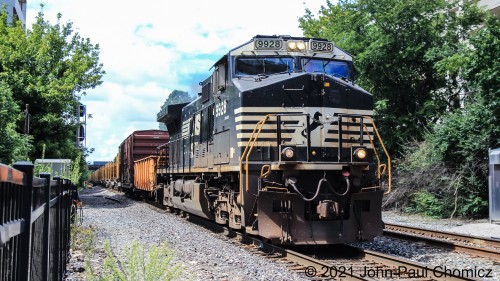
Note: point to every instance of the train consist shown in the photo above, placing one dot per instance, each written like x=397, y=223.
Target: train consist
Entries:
x=139, y=147
x=279, y=143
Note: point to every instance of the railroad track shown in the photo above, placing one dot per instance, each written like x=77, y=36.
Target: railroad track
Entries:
x=473, y=245
x=332, y=262
x=367, y=265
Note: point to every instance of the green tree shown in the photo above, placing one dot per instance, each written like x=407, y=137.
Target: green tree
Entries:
x=174, y=98
x=397, y=46
x=433, y=69
x=48, y=67
x=463, y=137
x=13, y=146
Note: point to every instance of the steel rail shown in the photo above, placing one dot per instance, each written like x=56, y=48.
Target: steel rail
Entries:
x=412, y=270
x=369, y=265
x=447, y=240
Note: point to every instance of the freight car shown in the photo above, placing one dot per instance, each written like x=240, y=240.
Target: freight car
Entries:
x=120, y=173
x=279, y=143
x=107, y=175
x=138, y=145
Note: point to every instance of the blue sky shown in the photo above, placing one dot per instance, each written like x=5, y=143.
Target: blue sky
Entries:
x=150, y=48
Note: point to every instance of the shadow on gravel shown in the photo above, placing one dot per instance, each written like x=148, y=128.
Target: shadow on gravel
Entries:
x=98, y=197
x=340, y=251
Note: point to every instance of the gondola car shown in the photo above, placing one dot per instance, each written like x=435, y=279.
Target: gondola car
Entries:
x=107, y=175
x=120, y=173
x=138, y=145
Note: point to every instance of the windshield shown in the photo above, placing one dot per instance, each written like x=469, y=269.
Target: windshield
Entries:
x=263, y=65
x=336, y=68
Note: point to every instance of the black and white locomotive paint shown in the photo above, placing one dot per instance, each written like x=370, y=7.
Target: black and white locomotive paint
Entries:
x=278, y=144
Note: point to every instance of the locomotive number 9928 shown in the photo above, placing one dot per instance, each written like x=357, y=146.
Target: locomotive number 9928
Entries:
x=280, y=143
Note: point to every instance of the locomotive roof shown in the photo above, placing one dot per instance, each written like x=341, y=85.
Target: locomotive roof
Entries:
x=247, y=48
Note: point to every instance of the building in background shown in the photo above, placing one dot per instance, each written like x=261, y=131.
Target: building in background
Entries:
x=16, y=9
x=55, y=167
x=492, y=5
x=97, y=164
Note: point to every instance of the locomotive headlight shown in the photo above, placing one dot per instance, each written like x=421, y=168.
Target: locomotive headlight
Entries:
x=360, y=153
x=301, y=45
x=296, y=46
x=292, y=45
x=288, y=153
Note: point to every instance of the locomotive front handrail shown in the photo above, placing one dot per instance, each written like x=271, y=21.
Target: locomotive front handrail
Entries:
x=246, y=154
x=374, y=150
x=340, y=132
x=253, y=138
x=389, y=184
x=362, y=125
x=264, y=173
x=308, y=136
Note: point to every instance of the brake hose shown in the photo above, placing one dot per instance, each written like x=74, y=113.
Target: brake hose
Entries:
x=289, y=182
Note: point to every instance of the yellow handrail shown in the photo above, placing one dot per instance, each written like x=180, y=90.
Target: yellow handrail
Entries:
x=255, y=135
x=389, y=186
x=246, y=154
x=374, y=150
x=264, y=174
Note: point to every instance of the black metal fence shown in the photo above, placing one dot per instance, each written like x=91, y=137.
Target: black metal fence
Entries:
x=34, y=224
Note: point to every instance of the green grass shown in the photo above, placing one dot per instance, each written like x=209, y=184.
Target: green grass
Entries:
x=139, y=264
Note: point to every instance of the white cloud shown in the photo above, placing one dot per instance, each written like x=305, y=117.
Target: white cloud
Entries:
x=151, y=48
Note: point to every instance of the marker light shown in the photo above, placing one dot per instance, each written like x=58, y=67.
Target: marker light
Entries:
x=288, y=153
x=360, y=153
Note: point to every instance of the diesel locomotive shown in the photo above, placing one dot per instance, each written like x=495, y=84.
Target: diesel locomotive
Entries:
x=280, y=143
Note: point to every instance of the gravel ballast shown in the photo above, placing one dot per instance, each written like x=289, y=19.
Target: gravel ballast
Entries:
x=434, y=257
x=204, y=254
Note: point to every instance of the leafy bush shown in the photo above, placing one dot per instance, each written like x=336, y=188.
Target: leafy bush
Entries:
x=426, y=184
x=139, y=265
x=154, y=265
x=430, y=205
x=83, y=239
x=448, y=170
